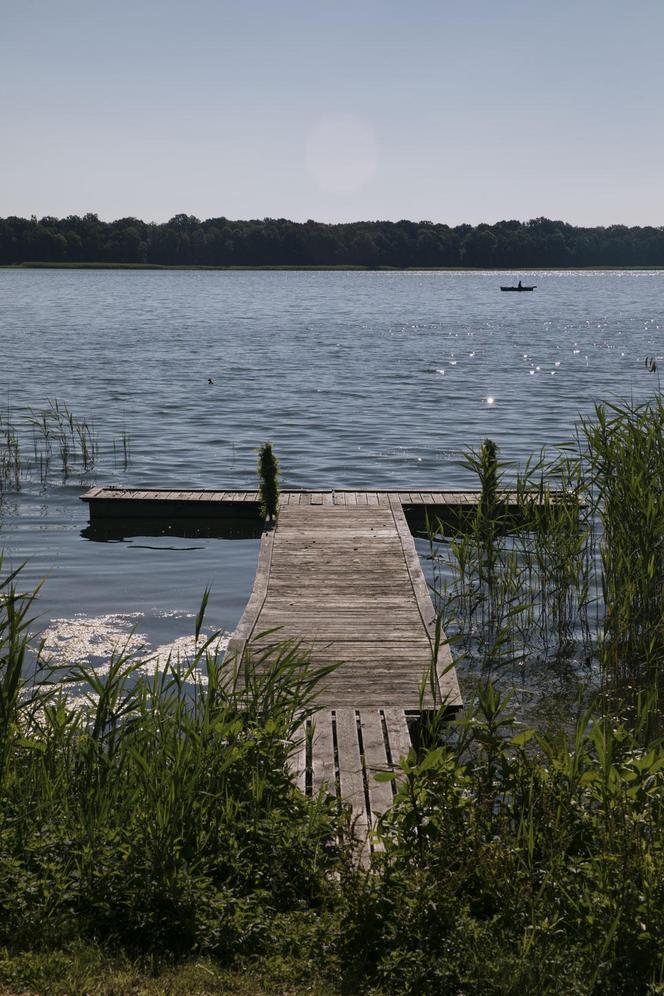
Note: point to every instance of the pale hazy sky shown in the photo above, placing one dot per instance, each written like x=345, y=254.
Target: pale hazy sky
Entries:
x=455, y=110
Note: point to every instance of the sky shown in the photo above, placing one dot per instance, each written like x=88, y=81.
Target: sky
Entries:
x=455, y=111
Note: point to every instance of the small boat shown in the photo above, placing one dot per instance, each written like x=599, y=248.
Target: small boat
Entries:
x=519, y=287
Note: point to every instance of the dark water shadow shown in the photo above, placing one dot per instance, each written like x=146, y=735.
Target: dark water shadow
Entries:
x=245, y=527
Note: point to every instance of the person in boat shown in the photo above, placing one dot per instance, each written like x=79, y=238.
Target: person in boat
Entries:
x=519, y=285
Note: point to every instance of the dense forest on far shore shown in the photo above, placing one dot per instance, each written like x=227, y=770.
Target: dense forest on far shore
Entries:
x=187, y=241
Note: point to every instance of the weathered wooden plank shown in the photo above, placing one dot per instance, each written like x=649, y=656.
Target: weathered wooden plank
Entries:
x=297, y=761
x=351, y=776
x=322, y=754
x=448, y=687
x=249, y=618
x=375, y=761
x=398, y=734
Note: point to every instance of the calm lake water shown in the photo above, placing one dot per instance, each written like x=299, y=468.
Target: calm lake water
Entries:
x=360, y=379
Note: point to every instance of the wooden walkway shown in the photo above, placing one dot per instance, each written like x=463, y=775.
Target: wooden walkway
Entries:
x=345, y=581
x=135, y=500
x=339, y=753
x=339, y=574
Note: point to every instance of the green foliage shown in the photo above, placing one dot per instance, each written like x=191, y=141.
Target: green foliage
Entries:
x=187, y=241
x=40, y=443
x=159, y=812
x=268, y=474
x=518, y=861
x=622, y=451
x=567, y=562
x=154, y=822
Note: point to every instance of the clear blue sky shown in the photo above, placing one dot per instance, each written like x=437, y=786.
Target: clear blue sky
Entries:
x=451, y=110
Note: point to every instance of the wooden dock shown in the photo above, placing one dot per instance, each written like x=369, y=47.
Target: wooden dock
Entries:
x=124, y=511
x=346, y=583
x=339, y=574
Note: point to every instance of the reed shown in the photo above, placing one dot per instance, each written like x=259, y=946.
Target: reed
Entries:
x=35, y=443
x=622, y=452
x=152, y=819
x=577, y=574
x=268, y=476
x=10, y=454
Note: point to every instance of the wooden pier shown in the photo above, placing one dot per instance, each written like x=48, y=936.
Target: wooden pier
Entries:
x=125, y=512
x=346, y=582
x=339, y=574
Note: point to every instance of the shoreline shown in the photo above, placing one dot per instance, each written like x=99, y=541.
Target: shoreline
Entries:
x=346, y=267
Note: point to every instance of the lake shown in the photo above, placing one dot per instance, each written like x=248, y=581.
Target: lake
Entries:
x=360, y=379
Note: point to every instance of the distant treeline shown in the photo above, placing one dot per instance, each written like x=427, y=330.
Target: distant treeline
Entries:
x=187, y=241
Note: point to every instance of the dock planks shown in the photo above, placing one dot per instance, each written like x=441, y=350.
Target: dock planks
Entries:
x=98, y=497
x=340, y=575
x=339, y=752
x=346, y=583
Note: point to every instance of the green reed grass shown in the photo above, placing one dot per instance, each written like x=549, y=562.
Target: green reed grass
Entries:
x=577, y=573
x=622, y=453
x=268, y=478
x=37, y=443
x=156, y=810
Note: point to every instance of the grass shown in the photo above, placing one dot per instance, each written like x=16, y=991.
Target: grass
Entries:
x=91, y=970
x=151, y=839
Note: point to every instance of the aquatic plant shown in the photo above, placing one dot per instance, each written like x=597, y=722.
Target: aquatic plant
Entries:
x=268, y=474
x=35, y=442
x=10, y=454
x=575, y=571
x=622, y=452
x=121, y=450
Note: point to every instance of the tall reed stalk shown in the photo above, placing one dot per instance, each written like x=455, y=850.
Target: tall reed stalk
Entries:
x=268, y=477
x=578, y=571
